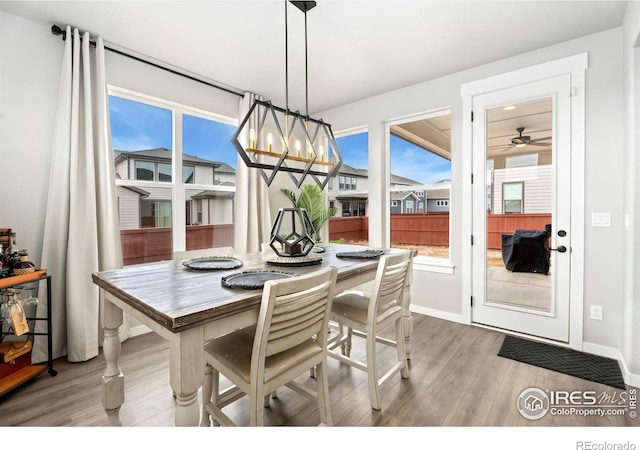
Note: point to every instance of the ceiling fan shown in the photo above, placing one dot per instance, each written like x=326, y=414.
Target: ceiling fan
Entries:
x=522, y=141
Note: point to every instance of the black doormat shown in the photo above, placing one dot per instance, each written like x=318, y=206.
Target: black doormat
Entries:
x=564, y=360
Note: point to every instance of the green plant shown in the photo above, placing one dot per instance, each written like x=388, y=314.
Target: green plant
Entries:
x=311, y=198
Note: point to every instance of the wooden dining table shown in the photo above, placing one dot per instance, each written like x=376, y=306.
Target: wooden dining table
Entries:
x=186, y=307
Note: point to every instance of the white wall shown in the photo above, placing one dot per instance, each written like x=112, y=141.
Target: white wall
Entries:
x=30, y=61
x=631, y=335
x=441, y=293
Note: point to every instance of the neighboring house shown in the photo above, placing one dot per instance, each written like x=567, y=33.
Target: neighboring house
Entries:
x=151, y=206
x=406, y=203
x=521, y=190
x=349, y=193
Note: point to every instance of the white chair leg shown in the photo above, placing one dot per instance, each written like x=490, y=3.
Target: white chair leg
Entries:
x=255, y=409
x=205, y=419
x=346, y=347
x=372, y=371
x=324, y=406
x=402, y=353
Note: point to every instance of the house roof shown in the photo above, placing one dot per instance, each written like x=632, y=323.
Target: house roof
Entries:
x=213, y=194
x=162, y=153
x=353, y=196
x=400, y=196
x=137, y=190
x=364, y=173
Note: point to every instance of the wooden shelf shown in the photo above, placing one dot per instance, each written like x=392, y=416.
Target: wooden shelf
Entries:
x=24, y=374
x=290, y=157
x=20, y=376
x=19, y=279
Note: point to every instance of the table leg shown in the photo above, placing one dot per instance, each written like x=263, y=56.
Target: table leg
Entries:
x=407, y=325
x=113, y=378
x=187, y=373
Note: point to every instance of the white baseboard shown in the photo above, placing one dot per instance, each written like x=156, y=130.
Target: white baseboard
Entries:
x=630, y=379
x=452, y=317
x=601, y=350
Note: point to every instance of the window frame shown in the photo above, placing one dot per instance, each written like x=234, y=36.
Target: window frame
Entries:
x=421, y=263
x=178, y=189
x=520, y=199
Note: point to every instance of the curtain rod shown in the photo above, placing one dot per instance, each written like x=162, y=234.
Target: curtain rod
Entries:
x=57, y=31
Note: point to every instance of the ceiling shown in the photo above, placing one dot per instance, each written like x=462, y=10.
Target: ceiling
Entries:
x=356, y=49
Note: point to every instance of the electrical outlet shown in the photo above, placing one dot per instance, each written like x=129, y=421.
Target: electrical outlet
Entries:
x=596, y=312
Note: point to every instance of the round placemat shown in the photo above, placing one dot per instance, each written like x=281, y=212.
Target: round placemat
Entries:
x=361, y=254
x=253, y=279
x=213, y=263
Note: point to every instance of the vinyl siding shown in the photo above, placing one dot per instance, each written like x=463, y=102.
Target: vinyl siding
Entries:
x=538, y=187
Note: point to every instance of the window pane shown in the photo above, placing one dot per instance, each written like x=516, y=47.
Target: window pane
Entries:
x=350, y=199
x=420, y=184
x=142, y=137
x=188, y=174
x=145, y=224
x=164, y=172
x=512, y=206
x=144, y=170
x=512, y=191
x=207, y=149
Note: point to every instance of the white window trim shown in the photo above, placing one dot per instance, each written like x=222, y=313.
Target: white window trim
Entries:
x=421, y=263
x=178, y=197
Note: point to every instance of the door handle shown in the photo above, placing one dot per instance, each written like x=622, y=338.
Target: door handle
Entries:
x=560, y=249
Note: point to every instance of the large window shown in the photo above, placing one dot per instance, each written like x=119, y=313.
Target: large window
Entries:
x=172, y=195
x=420, y=183
x=349, y=190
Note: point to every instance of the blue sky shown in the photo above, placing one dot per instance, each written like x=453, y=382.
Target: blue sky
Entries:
x=407, y=160
x=136, y=126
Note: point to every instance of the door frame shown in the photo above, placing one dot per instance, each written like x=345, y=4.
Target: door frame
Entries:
x=575, y=66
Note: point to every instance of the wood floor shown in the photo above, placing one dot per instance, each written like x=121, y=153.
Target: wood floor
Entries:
x=457, y=379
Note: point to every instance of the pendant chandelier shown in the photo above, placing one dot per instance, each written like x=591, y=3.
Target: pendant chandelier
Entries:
x=281, y=140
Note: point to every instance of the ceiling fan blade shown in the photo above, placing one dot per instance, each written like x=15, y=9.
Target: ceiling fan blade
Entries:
x=507, y=148
x=540, y=144
x=542, y=139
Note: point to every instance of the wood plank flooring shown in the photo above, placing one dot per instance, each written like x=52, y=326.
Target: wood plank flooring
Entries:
x=457, y=379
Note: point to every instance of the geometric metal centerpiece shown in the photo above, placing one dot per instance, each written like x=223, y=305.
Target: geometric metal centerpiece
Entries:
x=287, y=141
x=291, y=233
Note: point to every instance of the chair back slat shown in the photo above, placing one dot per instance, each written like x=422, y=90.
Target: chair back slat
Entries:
x=295, y=310
x=390, y=280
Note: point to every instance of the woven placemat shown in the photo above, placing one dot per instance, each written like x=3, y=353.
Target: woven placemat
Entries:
x=253, y=279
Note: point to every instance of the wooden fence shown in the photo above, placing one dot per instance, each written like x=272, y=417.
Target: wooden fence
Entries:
x=499, y=224
x=433, y=228
x=154, y=244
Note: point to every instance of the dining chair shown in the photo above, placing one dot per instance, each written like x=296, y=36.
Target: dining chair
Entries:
x=366, y=313
x=180, y=256
x=289, y=339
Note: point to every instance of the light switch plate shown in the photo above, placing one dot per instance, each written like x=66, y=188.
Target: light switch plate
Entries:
x=601, y=219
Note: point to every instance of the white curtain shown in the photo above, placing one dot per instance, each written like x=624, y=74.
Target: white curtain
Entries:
x=252, y=213
x=81, y=233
